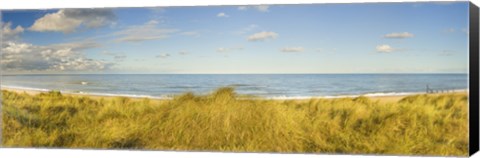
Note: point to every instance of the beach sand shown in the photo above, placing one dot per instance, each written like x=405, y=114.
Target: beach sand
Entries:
x=389, y=99
x=91, y=96
x=383, y=99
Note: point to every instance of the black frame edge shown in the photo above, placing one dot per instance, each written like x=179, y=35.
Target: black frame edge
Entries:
x=474, y=79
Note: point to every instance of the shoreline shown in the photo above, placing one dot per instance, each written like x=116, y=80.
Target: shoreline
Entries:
x=31, y=91
x=383, y=97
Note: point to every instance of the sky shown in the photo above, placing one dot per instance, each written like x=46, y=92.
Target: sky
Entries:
x=429, y=37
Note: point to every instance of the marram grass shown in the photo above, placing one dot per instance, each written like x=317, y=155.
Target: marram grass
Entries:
x=418, y=125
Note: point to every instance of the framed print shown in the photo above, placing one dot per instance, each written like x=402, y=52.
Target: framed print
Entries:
x=354, y=78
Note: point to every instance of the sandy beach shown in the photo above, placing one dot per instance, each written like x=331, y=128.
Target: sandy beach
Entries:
x=92, y=96
x=382, y=98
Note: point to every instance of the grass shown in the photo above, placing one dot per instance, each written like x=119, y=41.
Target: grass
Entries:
x=415, y=125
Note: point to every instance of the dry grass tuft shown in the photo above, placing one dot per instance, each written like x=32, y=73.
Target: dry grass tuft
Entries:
x=418, y=125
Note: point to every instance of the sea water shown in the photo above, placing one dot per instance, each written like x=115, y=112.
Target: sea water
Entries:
x=264, y=85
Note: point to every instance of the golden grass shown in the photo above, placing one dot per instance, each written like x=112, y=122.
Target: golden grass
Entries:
x=418, y=125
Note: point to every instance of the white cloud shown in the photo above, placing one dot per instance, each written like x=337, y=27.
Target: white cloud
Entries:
x=148, y=31
x=222, y=50
x=260, y=8
x=76, y=46
x=163, y=55
x=384, y=48
x=8, y=32
x=183, y=52
x=152, y=22
x=292, y=49
x=222, y=15
x=225, y=50
x=67, y=20
x=399, y=35
x=261, y=36
x=24, y=57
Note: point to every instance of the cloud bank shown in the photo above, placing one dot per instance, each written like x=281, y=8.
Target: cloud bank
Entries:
x=147, y=31
x=24, y=57
x=10, y=33
x=68, y=20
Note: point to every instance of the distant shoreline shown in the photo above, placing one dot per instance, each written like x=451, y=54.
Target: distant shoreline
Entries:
x=35, y=91
x=375, y=96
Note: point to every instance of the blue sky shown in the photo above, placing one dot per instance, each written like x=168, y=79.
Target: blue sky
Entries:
x=321, y=38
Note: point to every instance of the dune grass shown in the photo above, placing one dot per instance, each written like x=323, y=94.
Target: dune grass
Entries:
x=416, y=125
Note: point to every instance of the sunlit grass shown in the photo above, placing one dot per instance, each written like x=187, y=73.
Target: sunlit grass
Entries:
x=419, y=125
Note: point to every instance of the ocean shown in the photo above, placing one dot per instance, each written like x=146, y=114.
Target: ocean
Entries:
x=282, y=86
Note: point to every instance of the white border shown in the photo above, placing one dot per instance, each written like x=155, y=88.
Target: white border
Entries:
x=46, y=4
x=83, y=153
